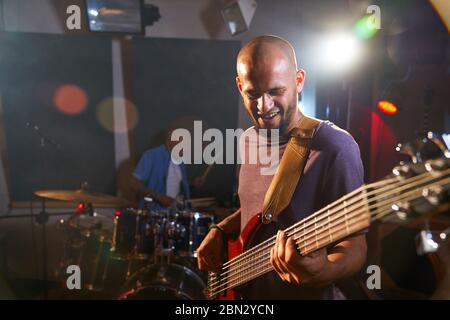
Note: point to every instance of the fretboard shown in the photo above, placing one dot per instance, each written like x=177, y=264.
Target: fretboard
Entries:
x=346, y=216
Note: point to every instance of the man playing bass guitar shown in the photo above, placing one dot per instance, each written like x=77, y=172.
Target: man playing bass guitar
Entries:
x=270, y=83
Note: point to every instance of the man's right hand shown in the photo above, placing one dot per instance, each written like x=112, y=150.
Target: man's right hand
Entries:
x=142, y=191
x=210, y=253
x=164, y=200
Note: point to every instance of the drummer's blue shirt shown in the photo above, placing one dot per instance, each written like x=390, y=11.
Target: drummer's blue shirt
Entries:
x=153, y=167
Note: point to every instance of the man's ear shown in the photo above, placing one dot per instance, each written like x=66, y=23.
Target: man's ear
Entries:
x=300, y=80
x=239, y=84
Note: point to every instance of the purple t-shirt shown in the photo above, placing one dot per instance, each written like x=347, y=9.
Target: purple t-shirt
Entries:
x=334, y=168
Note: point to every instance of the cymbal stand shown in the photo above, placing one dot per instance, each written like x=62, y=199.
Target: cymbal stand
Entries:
x=42, y=219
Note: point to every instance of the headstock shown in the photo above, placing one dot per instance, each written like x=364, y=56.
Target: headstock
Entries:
x=429, y=176
x=430, y=147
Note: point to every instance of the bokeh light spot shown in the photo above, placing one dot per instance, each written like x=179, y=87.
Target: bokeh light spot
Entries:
x=363, y=28
x=121, y=119
x=70, y=99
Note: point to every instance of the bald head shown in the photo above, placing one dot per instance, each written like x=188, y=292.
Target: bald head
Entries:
x=269, y=83
x=265, y=50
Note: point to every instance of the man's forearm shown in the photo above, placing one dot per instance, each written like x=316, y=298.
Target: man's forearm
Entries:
x=139, y=187
x=344, y=260
x=232, y=224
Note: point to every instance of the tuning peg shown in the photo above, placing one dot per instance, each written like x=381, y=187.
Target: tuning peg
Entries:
x=436, y=164
x=410, y=150
x=433, y=194
x=402, y=210
x=444, y=235
x=436, y=139
x=429, y=147
x=440, y=164
x=402, y=170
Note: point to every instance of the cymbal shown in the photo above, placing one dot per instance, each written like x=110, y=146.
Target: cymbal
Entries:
x=81, y=195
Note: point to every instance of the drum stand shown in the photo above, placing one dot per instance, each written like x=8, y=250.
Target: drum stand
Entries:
x=163, y=253
x=163, y=263
x=42, y=219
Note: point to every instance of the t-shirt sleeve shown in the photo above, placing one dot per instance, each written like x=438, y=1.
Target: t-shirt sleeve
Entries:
x=345, y=174
x=142, y=170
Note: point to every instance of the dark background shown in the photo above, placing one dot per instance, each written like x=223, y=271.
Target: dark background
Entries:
x=32, y=66
x=178, y=81
x=173, y=83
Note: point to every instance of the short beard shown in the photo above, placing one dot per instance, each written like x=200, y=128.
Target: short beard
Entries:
x=286, y=120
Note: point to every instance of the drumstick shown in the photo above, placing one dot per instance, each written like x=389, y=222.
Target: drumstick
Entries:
x=208, y=169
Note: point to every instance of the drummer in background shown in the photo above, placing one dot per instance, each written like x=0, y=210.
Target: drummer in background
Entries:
x=158, y=177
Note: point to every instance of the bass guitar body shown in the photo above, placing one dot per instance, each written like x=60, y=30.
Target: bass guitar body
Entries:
x=235, y=248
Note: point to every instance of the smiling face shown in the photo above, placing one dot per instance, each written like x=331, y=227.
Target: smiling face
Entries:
x=269, y=85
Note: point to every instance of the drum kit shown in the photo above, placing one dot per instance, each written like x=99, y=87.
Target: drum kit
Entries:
x=136, y=253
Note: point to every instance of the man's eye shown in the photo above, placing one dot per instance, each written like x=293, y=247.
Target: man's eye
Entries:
x=276, y=92
x=252, y=96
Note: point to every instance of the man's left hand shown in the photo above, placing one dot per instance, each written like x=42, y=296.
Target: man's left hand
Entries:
x=291, y=266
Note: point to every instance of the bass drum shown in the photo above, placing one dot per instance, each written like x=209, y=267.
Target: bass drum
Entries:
x=164, y=282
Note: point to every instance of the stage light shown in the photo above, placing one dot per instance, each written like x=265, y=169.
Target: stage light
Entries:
x=93, y=12
x=80, y=208
x=387, y=107
x=120, y=16
x=238, y=15
x=389, y=102
x=340, y=51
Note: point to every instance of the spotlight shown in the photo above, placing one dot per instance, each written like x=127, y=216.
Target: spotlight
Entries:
x=340, y=51
x=389, y=101
x=387, y=107
x=238, y=15
x=150, y=14
x=120, y=16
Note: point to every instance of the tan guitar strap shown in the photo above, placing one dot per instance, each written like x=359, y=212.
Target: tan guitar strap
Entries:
x=287, y=176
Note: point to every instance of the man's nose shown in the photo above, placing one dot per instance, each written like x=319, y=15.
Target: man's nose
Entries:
x=265, y=103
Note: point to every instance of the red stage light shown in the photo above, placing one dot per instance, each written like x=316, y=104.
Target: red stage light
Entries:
x=387, y=107
x=117, y=213
x=80, y=208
